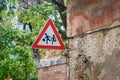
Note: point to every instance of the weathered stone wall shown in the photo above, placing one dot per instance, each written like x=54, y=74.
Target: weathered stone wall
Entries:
x=94, y=56
x=85, y=15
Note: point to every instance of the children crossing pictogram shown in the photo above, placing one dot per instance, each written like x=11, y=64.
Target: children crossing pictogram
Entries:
x=49, y=38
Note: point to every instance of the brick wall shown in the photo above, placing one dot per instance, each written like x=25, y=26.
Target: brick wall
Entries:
x=94, y=56
x=56, y=72
x=54, y=68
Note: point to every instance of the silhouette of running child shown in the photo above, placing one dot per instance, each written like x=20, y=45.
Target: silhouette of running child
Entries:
x=47, y=38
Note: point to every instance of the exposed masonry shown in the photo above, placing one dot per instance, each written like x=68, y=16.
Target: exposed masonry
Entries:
x=51, y=61
x=93, y=27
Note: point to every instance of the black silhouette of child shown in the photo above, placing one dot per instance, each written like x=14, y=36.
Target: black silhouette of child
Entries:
x=53, y=39
x=47, y=38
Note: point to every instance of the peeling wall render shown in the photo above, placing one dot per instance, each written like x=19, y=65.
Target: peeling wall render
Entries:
x=95, y=56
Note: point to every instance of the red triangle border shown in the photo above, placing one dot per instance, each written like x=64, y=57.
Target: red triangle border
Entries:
x=35, y=44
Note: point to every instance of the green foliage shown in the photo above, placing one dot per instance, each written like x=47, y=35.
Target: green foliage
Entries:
x=65, y=1
x=15, y=53
x=2, y=4
x=39, y=14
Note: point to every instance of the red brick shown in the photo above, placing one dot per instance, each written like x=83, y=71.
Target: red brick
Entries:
x=57, y=72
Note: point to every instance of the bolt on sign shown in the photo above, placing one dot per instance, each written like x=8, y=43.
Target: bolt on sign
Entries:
x=49, y=38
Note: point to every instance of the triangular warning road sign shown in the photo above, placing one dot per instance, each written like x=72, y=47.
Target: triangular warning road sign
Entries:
x=48, y=38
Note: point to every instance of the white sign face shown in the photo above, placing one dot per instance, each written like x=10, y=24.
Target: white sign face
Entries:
x=49, y=38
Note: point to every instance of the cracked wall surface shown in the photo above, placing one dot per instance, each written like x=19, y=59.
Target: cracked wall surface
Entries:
x=103, y=55
x=94, y=56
